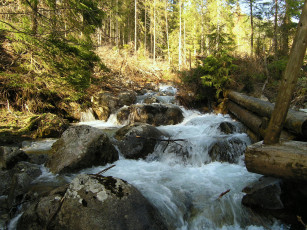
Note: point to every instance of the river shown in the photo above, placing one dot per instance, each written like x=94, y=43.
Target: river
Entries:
x=180, y=179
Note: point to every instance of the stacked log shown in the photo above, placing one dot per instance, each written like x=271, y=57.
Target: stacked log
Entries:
x=255, y=114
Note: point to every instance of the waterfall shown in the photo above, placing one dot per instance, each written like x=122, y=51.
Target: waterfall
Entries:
x=88, y=115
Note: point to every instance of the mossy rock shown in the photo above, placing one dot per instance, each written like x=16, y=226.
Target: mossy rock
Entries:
x=47, y=126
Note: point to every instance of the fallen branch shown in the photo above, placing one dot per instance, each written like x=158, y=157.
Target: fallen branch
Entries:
x=55, y=213
x=104, y=170
x=223, y=194
x=163, y=140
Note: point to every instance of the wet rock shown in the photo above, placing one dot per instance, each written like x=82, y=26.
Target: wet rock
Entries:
x=155, y=114
x=81, y=147
x=37, y=158
x=102, y=113
x=5, y=178
x=126, y=98
x=10, y=156
x=227, y=150
x=71, y=110
x=137, y=140
x=104, y=99
x=227, y=128
x=265, y=193
x=93, y=202
x=23, y=174
x=40, y=213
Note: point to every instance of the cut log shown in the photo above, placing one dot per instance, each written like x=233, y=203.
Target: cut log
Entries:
x=255, y=123
x=296, y=121
x=249, y=119
x=287, y=160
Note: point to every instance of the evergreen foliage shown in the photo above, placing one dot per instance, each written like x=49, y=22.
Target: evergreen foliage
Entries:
x=55, y=40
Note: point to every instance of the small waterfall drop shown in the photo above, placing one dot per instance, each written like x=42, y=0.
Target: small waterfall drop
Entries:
x=88, y=115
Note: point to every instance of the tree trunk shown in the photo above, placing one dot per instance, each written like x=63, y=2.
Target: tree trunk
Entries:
x=145, y=25
x=135, y=26
x=154, y=45
x=53, y=17
x=252, y=27
x=117, y=26
x=286, y=160
x=296, y=122
x=289, y=81
x=202, y=29
x=285, y=30
x=184, y=45
x=179, y=46
x=34, y=17
x=166, y=27
x=275, y=30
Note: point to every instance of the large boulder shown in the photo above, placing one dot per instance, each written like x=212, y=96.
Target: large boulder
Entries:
x=265, y=193
x=81, y=147
x=155, y=114
x=137, y=140
x=93, y=202
x=10, y=156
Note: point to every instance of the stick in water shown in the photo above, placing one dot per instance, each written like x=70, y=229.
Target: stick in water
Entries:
x=223, y=193
x=104, y=170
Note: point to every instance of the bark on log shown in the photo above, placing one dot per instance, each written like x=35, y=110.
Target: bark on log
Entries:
x=296, y=122
x=249, y=119
x=256, y=124
x=286, y=160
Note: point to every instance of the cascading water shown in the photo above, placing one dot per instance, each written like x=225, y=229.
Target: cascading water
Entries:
x=181, y=179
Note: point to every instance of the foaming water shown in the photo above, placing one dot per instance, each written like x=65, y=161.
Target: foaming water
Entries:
x=183, y=181
x=188, y=196
x=38, y=146
x=109, y=124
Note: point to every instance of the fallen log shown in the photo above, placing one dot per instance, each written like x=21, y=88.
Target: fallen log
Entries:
x=249, y=119
x=287, y=160
x=255, y=123
x=296, y=121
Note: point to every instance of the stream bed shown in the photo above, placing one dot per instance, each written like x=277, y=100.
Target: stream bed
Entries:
x=190, y=190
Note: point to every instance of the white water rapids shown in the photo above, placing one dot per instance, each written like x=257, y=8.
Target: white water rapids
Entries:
x=186, y=187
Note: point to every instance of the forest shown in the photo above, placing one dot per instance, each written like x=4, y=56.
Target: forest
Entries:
x=56, y=51
x=153, y=114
